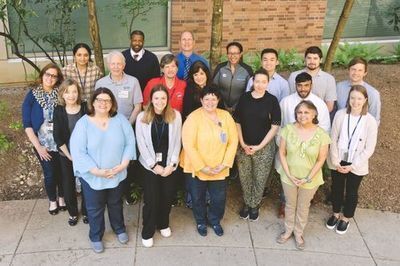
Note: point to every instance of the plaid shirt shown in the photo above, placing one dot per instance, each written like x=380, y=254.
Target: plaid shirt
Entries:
x=87, y=81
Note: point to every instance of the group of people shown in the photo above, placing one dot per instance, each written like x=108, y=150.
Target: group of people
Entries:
x=189, y=124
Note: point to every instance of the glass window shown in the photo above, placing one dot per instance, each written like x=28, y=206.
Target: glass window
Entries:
x=368, y=18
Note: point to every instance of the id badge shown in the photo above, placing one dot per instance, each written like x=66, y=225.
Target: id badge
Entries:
x=49, y=127
x=158, y=157
x=223, y=137
x=123, y=94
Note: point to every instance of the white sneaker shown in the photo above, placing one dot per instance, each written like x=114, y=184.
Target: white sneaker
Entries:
x=148, y=243
x=166, y=232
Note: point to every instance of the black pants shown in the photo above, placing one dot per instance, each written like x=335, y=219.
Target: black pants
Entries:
x=69, y=188
x=345, y=192
x=159, y=193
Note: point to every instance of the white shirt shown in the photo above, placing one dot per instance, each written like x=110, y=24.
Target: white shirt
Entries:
x=139, y=54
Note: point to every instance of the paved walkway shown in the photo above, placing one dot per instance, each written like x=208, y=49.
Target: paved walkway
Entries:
x=30, y=236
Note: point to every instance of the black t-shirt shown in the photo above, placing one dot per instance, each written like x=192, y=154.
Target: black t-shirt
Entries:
x=256, y=116
x=159, y=136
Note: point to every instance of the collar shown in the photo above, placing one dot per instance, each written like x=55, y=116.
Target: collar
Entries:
x=117, y=82
x=318, y=73
x=140, y=54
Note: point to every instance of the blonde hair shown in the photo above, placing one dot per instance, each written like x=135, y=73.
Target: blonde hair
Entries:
x=64, y=87
x=363, y=91
x=168, y=113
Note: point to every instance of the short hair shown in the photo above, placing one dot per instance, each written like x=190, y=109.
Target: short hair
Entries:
x=195, y=67
x=303, y=77
x=363, y=90
x=310, y=105
x=237, y=44
x=63, y=88
x=82, y=45
x=167, y=59
x=187, y=31
x=358, y=60
x=212, y=89
x=137, y=32
x=261, y=71
x=313, y=50
x=149, y=113
x=115, y=53
x=269, y=51
x=97, y=92
x=60, y=76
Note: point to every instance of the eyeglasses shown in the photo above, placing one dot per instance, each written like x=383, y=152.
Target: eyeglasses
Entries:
x=106, y=101
x=48, y=75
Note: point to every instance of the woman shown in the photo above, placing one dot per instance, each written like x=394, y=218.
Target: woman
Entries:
x=303, y=149
x=37, y=118
x=158, y=132
x=258, y=118
x=209, y=140
x=175, y=86
x=82, y=70
x=232, y=76
x=354, y=136
x=69, y=110
x=102, y=144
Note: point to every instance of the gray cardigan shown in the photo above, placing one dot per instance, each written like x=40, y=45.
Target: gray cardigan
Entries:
x=365, y=147
x=145, y=144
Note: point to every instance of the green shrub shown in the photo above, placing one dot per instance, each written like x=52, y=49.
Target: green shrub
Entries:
x=346, y=52
x=290, y=60
x=16, y=125
x=252, y=59
x=396, y=49
x=5, y=143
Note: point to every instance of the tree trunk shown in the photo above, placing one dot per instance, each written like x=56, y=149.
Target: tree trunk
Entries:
x=348, y=5
x=216, y=33
x=95, y=35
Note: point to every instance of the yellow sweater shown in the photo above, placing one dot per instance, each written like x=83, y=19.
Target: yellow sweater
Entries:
x=206, y=143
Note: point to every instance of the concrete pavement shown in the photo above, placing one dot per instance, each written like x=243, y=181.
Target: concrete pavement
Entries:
x=30, y=236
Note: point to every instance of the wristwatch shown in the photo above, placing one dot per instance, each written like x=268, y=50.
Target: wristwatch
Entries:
x=308, y=179
x=173, y=165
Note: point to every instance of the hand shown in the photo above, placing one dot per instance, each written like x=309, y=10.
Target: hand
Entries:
x=118, y=168
x=43, y=153
x=216, y=170
x=206, y=170
x=298, y=182
x=254, y=149
x=167, y=171
x=159, y=170
x=343, y=169
x=106, y=173
x=246, y=149
x=69, y=157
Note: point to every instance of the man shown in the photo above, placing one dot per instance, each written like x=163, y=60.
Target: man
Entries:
x=357, y=71
x=140, y=63
x=186, y=57
x=324, y=85
x=128, y=94
x=277, y=86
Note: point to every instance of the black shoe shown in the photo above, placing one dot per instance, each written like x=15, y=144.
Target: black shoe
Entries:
x=332, y=222
x=253, y=214
x=53, y=211
x=62, y=208
x=218, y=229
x=85, y=219
x=202, y=229
x=244, y=212
x=342, y=227
x=72, y=220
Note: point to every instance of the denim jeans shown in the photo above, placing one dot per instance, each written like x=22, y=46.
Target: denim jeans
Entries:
x=52, y=175
x=216, y=209
x=96, y=202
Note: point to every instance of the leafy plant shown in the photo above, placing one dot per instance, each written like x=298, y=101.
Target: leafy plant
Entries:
x=5, y=143
x=252, y=59
x=347, y=52
x=289, y=60
x=16, y=125
x=394, y=14
x=136, y=192
x=396, y=49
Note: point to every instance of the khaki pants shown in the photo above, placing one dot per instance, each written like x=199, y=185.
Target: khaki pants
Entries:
x=297, y=208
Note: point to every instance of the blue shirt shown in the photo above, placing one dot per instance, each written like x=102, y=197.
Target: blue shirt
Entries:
x=193, y=58
x=277, y=86
x=93, y=147
x=374, y=98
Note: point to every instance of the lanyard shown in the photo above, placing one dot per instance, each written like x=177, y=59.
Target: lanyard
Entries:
x=348, y=130
x=80, y=79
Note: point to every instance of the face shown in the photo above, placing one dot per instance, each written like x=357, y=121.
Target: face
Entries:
x=200, y=78
x=357, y=101
x=116, y=65
x=187, y=42
x=357, y=73
x=50, y=78
x=159, y=101
x=137, y=42
x=71, y=95
x=269, y=62
x=209, y=102
x=313, y=61
x=81, y=57
x=170, y=70
x=303, y=88
x=305, y=115
x=102, y=103
x=234, y=55
x=260, y=83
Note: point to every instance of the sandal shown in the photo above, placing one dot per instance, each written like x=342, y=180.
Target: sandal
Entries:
x=300, y=245
x=61, y=204
x=53, y=211
x=283, y=238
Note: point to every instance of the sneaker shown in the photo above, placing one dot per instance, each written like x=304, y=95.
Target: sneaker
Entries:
x=97, y=246
x=148, y=243
x=253, y=215
x=342, y=227
x=166, y=232
x=244, y=212
x=218, y=229
x=202, y=229
x=332, y=222
x=123, y=238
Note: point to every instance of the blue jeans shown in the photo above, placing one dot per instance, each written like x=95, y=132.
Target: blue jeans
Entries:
x=52, y=175
x=96, y=202
x=216, y=209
